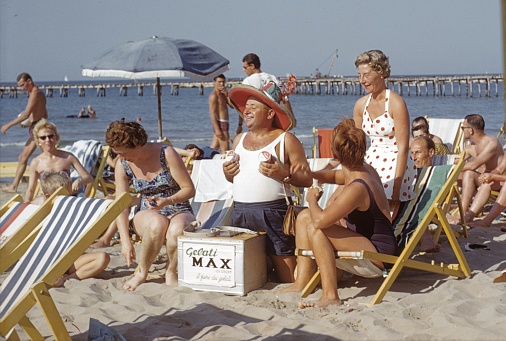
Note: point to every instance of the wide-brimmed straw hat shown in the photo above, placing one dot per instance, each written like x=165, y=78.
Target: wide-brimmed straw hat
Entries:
x=270, y=95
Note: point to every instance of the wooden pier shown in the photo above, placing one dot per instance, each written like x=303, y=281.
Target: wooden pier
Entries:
x=463, y=85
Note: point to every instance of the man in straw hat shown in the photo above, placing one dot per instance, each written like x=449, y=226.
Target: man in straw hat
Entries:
x=268, y=160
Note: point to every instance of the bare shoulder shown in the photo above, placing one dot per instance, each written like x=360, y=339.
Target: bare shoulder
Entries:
x=360, y=103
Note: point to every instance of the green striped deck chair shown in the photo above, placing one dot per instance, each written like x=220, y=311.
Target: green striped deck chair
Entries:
x=432, y=188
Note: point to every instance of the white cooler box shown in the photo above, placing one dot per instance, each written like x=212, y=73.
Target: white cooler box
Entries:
x=233, y=265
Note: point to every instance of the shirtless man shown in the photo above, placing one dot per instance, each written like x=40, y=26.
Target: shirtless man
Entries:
x=486, y=153
x=35, y=111
x=218, y=111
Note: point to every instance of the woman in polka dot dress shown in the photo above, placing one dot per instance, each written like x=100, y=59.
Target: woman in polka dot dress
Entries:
x=384, y=117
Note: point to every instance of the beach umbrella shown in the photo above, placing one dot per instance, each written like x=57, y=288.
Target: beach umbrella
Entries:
x=158, y=57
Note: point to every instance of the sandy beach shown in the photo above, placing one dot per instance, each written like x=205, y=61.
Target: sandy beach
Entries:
x=420, y=306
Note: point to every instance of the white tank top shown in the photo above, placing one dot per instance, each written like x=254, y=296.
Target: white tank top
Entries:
x=249, y=184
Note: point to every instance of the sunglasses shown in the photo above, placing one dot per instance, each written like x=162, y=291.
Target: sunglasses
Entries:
x=44, y=137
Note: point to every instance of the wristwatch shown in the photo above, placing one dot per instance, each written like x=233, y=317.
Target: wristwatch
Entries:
x=287, y=179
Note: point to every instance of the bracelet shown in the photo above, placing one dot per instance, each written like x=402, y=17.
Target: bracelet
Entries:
x=172, y=200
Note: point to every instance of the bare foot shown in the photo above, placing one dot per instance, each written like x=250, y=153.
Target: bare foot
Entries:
x=291, y=288
x=171, y=279
x=478, y=223
x=453, y=220
x=321, y=303
x=99, y=244
x=427, y=244
x=435, y=248
x=9, y=189
x=503, y=229
x=134, y=282
x=501, y=278
x=60, y=281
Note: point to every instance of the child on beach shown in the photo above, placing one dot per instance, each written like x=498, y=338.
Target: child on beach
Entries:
x=87, y=265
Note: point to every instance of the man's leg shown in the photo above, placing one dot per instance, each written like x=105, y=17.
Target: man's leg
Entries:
x=480, y=199
x=469, y=185
x=22, y=163
x=495, y=211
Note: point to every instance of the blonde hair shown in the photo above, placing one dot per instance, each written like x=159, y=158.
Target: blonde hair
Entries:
x=377, y=60
x=45, y=124
x=50, y=183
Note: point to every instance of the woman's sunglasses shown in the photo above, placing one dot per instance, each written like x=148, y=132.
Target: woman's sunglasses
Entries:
x=44, y=137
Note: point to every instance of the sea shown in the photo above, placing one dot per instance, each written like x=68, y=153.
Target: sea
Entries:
x=185, y=117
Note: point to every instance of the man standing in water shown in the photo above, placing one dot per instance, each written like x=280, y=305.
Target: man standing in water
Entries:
x=218, y=111
x=35, y=111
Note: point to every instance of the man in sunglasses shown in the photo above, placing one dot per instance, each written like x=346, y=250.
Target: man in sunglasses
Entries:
x=483, y=154
x=35, y=111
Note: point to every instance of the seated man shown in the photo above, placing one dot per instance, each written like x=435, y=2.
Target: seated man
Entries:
x=268, y=161
x=422, y=150
x=420, y=127
x=88, y=264
x=493, y=180
x=483, y=155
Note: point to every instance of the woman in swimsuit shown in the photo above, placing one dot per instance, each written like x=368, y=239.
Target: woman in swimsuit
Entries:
x=363, y=205
x=53, y=160
x=384, y=117
x=157, y=172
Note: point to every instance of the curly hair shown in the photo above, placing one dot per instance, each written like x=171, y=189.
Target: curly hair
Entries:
x=377, y=60
x=125, y=134
x=45, y=124
x=349, y=144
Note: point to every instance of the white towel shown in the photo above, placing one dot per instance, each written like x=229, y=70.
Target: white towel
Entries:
x=211, y=183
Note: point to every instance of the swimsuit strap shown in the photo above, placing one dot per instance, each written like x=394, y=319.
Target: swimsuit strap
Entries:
x=163, y=159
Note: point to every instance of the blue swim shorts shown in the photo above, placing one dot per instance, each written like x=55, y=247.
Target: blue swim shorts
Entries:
x=266, y=217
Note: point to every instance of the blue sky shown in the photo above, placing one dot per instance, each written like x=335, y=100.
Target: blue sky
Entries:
x=51, y=39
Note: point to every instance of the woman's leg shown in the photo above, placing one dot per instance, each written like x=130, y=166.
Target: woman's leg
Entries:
x=306, y=266
x=324, y=242
x=152, y=228
x=86, y=266
x=176, y=226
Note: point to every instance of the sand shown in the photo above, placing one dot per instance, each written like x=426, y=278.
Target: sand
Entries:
x=420, y=306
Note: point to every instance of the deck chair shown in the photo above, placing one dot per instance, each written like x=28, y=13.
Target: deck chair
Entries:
x=12, y=201
x=321, y=142
x=19, y=226
x=8, y=170
x=96, y=173
x=73, y=224
x=88, y=152
x=433, y=187
x=214, y=207
x=449, y=131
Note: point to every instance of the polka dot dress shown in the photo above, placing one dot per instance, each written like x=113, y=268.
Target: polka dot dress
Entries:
x=382, y=154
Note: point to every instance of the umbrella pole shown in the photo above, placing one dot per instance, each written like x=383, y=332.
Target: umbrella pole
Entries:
x=159, y=94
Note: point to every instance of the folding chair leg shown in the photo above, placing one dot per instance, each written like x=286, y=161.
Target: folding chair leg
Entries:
x=29, y=329
x=41, y=293
x=311, y=285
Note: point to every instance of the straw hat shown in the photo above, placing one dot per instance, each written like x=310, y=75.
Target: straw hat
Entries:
x=270, y=95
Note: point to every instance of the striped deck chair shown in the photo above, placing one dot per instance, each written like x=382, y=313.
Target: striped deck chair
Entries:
x=19, y=226
x=432, y=189
x=73, y=224
x=212, y=204
x=88, y=153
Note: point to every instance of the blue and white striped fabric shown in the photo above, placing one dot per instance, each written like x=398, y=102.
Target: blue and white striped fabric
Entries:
x=15, y=219
x=70, y=218
x=87, y=152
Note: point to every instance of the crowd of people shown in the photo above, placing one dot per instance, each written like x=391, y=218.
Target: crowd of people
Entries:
x=375, y=182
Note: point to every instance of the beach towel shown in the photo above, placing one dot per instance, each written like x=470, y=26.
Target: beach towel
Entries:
x=210, y=183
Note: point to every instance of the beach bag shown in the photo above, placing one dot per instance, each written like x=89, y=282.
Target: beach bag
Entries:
x=291, y=216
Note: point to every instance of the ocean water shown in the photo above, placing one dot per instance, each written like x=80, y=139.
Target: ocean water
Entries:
x=186, y=116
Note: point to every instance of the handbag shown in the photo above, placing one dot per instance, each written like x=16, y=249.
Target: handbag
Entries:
x=291, y=216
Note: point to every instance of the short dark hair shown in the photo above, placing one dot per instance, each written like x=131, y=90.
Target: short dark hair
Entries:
x=476, y=121
x=219, y=76
x=252, y=58
x=23, y=76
